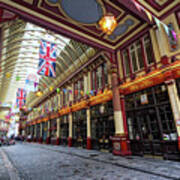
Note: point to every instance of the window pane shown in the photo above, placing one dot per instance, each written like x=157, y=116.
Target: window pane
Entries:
x=134, y=61
x=148, y=51
x=93, y=80
x=140, y=57
x=126, y=62
x=99, y=77
x=105, y=74
x=79, y=89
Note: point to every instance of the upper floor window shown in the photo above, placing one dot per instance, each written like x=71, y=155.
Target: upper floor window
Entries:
x=78, y=89
x=99, y=77
x=65, y=97
x=138, y=55
x=126, y=62
x=148, y=52
x=61, y=99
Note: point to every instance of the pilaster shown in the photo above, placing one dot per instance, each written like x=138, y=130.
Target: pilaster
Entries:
x=70, y=130
x=40, y=138
x=88, y=128
x=175, y=105
x=58, y=132
x=48, y=133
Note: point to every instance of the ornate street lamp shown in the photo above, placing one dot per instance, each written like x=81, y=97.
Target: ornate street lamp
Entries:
x=108, y=23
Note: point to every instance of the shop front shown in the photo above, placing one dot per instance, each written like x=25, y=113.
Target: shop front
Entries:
x=64, y=130
x=44, y=131
x=151, y=125
x=53, y=129
x=37, y=132
x=79, y=128
x=33, y=132
x=102, y=126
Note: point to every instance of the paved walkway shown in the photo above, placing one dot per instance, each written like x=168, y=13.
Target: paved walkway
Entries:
x=158, y=167
x=3, y=170
x=46, y=162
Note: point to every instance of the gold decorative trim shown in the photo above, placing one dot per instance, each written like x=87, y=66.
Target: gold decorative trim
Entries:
x=69, y=18
x=136, y=22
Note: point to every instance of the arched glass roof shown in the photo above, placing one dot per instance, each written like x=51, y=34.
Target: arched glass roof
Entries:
x=20, y=57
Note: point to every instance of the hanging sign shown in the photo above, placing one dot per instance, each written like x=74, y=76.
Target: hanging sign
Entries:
x=144, y=99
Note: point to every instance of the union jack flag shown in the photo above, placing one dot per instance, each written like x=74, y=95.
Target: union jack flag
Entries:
x=21, y=97
x=47, y=59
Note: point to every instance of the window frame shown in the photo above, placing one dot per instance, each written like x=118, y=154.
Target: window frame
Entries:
x=127, y=49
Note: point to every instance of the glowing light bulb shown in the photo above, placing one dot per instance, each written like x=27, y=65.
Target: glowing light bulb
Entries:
x=108, y=23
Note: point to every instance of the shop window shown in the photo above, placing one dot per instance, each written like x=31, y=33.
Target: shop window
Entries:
x=102, y=125
x=161, y=93
x=64, y=127
x=79, y=128
x=53, y=128
x=149, y=115
x=129, y=102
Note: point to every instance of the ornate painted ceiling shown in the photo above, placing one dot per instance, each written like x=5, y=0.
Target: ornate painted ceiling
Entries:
x=79, y=18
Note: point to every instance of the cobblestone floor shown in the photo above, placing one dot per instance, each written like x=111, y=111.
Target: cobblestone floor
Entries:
x=46, y=162
x=3, y=170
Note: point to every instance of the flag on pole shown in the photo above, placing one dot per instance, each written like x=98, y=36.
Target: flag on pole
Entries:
x=47, y=59
x=20, y=97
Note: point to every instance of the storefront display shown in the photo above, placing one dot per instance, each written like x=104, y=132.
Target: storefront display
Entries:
x=64, y=130
x=37, y=132
x=79, y=128
x=151, y=125
x=53, y=129
x=102, y=126
x=44, y=130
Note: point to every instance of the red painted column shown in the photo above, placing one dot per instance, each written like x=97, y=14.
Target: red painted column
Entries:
x=120, y=140
x=69, y=141
x=57, y=141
